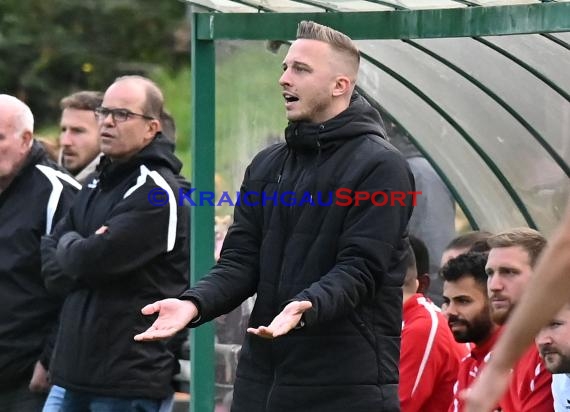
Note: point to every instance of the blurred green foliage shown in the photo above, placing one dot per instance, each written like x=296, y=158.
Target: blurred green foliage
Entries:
x=51, y=48
x=250, y=113
x=175, y=85
x=249, y=107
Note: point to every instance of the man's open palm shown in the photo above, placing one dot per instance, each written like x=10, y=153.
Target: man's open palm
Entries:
x=173, y=315
x=284, y=322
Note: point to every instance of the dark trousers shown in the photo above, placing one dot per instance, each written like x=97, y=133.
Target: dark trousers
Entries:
x=74, y=401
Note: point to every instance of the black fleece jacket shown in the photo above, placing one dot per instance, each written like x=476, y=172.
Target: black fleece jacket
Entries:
x=346, y=260
x=109, y=277
x=30, y=207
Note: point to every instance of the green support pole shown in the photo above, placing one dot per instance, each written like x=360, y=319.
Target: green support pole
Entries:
x=202, y=217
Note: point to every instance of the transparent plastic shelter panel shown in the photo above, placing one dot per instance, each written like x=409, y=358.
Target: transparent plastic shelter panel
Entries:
x=286, y=6
x=542, y=107
x=484, y=197
x=250, y=115
x=430, y=4
x=344, y=5
x=225, y=6
x=565, y=36
x=545, y=56
x=552, y=61
x=492, y=129
x=504, y=2
x=290, y=6
x=352, y=5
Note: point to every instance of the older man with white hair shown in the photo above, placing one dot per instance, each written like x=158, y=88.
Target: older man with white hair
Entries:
x=34, y=194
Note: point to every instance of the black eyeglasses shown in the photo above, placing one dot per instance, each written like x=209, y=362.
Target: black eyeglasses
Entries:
x=118, y=115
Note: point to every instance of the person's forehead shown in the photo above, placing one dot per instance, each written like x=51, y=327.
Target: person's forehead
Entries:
x=507, y=256
x=9, y=107
x=7, y=122
x=307, y=51
x=564, y=314
x=465, y=286
x=125, y=94
x=562, y=330
x=77, y=115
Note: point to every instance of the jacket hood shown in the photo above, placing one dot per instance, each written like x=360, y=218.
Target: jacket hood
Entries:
x=359, y=119
x=158, y=153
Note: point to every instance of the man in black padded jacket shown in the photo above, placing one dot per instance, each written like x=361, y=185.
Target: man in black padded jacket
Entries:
x=117, y=248
x=328, y=277
x=34, y=194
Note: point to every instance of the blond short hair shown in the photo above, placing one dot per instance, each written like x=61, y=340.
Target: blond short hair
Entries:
x=337, y=40
x=529, y=239
x=82, y=100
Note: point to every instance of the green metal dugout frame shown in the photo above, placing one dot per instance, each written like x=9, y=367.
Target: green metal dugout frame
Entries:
x=399, y=24
x=475, y=21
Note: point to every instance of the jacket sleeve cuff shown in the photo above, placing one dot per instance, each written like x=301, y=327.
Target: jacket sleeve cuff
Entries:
x=308, y=317
x=63, y=246
x=196, y=321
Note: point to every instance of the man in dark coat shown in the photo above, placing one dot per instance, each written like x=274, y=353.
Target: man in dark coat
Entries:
x=123, y=241
x=34, y=194
x=314, y=239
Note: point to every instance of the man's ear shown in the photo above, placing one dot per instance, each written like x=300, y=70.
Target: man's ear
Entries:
x=342, y=86
x=153, y=127
x=27, y=138
x=424, y=282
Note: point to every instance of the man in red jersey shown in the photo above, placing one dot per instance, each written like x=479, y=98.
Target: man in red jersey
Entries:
x=509, y=266
x=429, y=356
x=545, y=294
x=467, y=310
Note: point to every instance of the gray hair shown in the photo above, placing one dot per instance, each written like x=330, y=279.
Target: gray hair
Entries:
x=24, y=119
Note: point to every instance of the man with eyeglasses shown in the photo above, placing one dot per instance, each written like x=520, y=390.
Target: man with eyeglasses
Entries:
x=112, y=253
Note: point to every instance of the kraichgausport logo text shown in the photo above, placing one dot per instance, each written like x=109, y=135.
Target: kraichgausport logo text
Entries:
x=343, y=197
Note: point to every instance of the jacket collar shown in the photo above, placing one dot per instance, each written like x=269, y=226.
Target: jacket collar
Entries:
x=158, y=153
x=358, y=119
